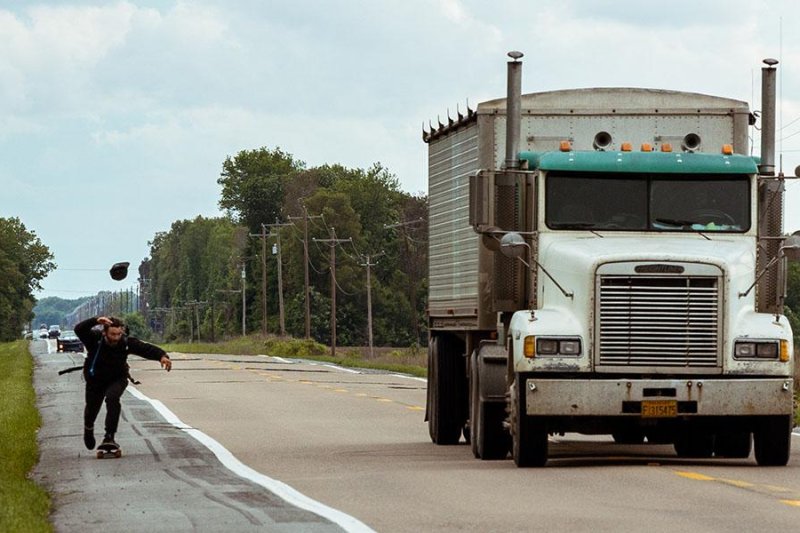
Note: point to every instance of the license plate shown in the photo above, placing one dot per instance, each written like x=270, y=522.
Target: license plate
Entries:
x=659, y=408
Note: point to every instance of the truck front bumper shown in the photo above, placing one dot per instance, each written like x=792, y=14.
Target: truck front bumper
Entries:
x=658, y=397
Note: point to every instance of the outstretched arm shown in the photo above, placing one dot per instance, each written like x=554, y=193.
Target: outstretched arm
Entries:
x=149, y=351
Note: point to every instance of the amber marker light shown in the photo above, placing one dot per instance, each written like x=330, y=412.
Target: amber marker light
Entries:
x=530, y=346
x=784, y=351
x=666, y=147
x=626, y=147
x=727, y=149
x=565, y=146
x=647, y=147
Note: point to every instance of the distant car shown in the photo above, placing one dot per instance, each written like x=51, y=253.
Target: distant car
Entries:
x=54, y=332
x=69, y=342
x=44, y=334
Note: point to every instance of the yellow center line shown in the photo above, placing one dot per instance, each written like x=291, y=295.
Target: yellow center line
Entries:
x=768, y=490
x=694, y=475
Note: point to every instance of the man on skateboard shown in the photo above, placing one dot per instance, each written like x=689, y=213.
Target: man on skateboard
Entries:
x=106, y=373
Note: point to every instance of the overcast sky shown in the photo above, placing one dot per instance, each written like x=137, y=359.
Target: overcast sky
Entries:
x=115, y=117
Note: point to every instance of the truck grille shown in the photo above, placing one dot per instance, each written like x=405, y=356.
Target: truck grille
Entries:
x=659, y=321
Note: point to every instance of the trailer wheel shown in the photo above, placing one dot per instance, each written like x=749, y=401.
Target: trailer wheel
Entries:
x=528, y=434
x=445, y=389
x=733, y=444
x=772, y=440
x=488, y=437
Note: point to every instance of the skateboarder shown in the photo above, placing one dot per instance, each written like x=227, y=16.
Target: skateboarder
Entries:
x=106, y=371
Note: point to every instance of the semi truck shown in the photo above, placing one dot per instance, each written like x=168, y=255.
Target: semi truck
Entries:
x=614, y=264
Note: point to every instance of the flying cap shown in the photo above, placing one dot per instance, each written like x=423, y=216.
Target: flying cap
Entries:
x=119, y=271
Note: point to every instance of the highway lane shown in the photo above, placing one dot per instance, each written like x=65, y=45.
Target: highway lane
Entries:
x=357, y=442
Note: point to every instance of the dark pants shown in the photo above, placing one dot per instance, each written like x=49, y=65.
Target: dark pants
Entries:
x=111, y=392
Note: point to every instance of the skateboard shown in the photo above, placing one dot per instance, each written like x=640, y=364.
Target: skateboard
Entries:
x=105, y=451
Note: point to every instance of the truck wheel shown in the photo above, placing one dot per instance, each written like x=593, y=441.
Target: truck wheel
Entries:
x=772, y=440
x=528, y=434
x=445, y=417
x=490, y=441
x=733, y=444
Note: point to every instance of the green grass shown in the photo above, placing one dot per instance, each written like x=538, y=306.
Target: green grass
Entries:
x=404, y=360
x=24, y=506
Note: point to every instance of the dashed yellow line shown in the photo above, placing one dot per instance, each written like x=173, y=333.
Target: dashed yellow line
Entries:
x=769, y=490
x=694, y=475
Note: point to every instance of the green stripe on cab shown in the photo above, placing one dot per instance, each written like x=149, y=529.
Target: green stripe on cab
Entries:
x=641, y=162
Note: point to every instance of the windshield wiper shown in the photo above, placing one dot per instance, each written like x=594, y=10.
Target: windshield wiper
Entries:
x=676, y=222
x=683, y=224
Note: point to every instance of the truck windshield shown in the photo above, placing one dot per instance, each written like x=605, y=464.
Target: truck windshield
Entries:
x=647, y=202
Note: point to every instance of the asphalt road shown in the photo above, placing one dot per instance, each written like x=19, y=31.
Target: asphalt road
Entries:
x=357, y=444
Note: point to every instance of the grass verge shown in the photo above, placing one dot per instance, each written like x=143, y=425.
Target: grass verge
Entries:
x=24, y=506
x=405, y=360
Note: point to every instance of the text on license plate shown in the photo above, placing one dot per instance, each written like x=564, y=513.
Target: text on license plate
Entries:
x=659, y=408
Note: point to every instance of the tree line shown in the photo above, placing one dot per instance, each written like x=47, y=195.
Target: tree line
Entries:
x=330, y=226
x=24, y=263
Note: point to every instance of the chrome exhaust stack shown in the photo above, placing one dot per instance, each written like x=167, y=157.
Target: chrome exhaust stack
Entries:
x=513, y=109
x=768, y=76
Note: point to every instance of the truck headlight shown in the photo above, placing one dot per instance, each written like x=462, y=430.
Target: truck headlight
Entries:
x=554, y=346
x=756, y=349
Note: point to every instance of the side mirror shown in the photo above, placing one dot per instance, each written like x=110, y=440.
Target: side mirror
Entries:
x=119, y=271
x=791, y=247
x=513, y=245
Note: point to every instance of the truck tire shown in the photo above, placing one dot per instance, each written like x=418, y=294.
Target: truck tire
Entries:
x=488, y=437
x=528, y=434
x=445, y=389
x=772, y=440
x=733, y=444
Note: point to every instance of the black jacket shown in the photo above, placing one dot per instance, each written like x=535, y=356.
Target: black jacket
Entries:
x=105, y=362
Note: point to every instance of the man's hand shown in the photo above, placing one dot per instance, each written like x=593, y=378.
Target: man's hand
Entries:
x=166, y=362
x=104, y=321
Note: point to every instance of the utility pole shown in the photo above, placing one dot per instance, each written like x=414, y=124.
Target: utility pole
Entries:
x=263, y=279
x=333, y=242
x=244, y=302
x=369, y=298
x=277, y=234
x=305, y=217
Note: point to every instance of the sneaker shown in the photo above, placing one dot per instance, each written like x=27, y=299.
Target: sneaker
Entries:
x=108, y=442
x=88, y=438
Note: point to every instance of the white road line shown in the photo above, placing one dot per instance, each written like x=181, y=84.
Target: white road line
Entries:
x=342, y=368
x=282, y=490
x=415, y=378
x=280, y=359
